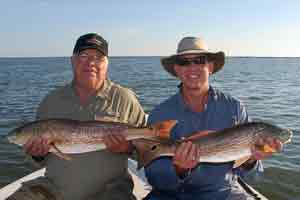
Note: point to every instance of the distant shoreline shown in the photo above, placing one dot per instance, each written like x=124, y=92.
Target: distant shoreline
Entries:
x=39, y=57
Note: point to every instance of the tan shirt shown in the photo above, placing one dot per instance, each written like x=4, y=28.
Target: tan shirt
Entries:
x=90, y=173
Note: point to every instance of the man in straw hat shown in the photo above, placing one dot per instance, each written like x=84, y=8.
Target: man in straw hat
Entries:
x=198, y=107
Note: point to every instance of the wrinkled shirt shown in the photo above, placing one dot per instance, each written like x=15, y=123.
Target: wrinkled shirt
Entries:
x=206, y=181
x=91, y=173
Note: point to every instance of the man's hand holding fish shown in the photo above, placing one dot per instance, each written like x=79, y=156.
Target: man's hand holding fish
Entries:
x=117, y=143
x=186, y=157
x=37, y=146
x=187, y=154
x=262, y=149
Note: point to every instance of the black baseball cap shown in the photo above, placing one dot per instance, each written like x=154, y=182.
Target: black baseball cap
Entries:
x=91, y=41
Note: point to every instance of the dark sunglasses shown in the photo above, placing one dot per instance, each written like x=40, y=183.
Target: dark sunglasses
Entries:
x=199, y=60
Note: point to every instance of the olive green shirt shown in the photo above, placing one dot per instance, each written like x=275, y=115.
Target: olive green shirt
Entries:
x=91, y=174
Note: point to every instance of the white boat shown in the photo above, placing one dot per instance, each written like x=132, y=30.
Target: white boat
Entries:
x=141, y=186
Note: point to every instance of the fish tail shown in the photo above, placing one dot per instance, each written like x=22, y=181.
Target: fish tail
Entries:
x=163, y=129
x=290, y=137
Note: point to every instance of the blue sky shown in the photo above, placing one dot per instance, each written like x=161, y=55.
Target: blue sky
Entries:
x=33, y=28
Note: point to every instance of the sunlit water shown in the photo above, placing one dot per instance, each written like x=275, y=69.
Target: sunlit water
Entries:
x=270, y=88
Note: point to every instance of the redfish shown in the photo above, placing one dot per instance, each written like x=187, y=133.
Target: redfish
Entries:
x=230, y=144
x=71, y=137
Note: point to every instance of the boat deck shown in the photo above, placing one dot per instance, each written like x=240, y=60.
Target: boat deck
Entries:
x=141, y=186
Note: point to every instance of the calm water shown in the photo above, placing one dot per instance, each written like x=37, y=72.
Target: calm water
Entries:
x=270, y=87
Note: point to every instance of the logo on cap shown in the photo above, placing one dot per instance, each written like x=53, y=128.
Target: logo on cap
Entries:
x=94, y=41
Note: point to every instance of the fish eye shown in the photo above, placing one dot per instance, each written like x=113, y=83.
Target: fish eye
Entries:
x=153, y=148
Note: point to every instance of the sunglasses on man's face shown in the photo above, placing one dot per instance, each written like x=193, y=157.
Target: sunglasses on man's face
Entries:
x=199, y=60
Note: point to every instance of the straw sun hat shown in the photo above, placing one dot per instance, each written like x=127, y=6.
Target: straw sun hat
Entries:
x=193, y=45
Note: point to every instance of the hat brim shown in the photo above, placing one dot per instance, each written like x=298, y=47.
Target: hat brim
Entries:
x=218, y=58
x=92, y=46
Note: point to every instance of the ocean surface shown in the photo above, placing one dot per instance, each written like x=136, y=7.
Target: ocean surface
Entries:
x=270, y=88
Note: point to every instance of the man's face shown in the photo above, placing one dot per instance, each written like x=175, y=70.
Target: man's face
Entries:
x=90, y=68
x=193, y=70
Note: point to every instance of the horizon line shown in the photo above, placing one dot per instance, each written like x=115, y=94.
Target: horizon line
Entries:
x=8, y=57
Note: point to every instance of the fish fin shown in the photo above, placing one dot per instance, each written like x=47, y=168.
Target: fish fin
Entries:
x=290, y=138
x=59, y=153
x=198, y=135
x=163, y=129
x=240, y=161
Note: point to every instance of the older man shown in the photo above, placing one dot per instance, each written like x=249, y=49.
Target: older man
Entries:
x=198, y=107
x=90, y=96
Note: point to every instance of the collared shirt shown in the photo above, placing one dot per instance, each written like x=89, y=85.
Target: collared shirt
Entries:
x=206, y=181
x=89, y=173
